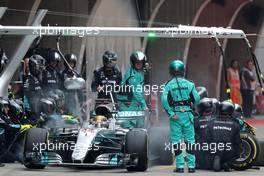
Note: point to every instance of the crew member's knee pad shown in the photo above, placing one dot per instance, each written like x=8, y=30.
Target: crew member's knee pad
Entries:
x=177, y=149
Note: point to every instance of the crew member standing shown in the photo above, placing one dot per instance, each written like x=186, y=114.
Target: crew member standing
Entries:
x=133, y=99
x=178, y=97
x=107, y=76
x=50, y=80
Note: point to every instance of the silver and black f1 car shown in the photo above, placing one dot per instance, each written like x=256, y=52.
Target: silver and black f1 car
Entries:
x=101, y=142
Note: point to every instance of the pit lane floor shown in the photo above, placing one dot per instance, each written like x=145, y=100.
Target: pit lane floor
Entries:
x=19, y=170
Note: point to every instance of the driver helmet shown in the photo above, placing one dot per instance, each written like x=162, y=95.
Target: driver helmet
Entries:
x=61, y=95
x=55, y=97
x=46, y=106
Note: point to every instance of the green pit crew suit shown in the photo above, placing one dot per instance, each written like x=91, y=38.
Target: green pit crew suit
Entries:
x=131, y=96
x=178, y=96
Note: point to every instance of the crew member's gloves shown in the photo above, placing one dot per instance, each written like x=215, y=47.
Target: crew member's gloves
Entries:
x=26, y=126
x=100, y=89
x=175, y=117
x=147, y=67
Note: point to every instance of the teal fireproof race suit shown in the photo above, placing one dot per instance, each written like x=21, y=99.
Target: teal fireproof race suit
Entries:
x=131, y=96
x=178, y=96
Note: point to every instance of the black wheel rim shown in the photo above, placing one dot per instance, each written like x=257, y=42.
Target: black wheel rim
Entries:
x=245, y=151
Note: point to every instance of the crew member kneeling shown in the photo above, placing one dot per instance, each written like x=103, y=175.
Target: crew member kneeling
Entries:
x=225, y=132
x=202, y=126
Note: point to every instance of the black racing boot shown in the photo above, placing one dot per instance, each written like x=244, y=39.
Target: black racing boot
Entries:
x=217, y=164
x=191, y=170
x=179, y=170
x=2, y=164
x=226, y=167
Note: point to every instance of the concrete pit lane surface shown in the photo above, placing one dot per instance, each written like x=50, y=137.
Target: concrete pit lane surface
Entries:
x=18, y=169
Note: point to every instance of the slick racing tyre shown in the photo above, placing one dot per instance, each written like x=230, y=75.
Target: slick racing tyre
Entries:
x=137, y=143
x=249, y=150
x=34, y=137
x=260, y=159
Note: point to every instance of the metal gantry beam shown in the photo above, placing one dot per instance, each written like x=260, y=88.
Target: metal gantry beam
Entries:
x=18, y=55
x=33, y=10
x=2, y=11
x=31, y=32
x=181, y=31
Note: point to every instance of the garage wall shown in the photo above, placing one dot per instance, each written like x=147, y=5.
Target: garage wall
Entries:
x=162, y=51
x=111, y=13
x=204, y=55
x=237, y=49
x=14, y=17
x=259, y=49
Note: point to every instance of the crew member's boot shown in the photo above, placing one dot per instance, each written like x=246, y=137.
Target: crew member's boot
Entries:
x=191, y=170
x=179, y=170
x=226, y=167
x=217, y=164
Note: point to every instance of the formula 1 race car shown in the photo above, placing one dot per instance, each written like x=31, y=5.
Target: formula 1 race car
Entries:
x=100, y=142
